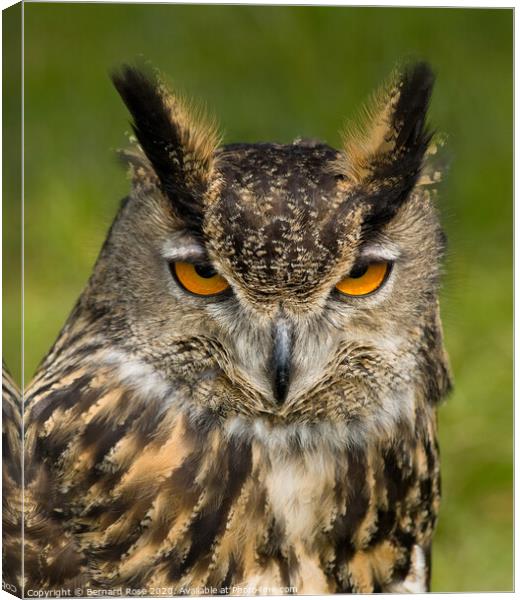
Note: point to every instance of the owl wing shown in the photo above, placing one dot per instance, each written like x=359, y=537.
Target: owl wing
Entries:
x=96, y=453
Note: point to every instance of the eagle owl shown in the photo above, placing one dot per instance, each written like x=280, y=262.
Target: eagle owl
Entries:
x=243, y=399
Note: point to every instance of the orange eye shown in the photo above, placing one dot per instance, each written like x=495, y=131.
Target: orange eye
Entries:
x=201, y=280
x=364, y=280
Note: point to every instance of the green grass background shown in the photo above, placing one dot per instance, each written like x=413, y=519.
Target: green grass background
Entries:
x=274, y=73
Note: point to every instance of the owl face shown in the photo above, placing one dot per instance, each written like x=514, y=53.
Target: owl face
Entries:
x=282, y=285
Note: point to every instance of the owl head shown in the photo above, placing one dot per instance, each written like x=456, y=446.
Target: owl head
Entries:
x=279, y=287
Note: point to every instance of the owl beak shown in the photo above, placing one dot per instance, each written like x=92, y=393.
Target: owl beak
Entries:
x=281, y=359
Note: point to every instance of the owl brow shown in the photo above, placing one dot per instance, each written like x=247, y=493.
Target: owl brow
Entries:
x=378, y=251
x=184, y=249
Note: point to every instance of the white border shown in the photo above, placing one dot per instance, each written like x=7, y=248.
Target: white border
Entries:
x=403, y=3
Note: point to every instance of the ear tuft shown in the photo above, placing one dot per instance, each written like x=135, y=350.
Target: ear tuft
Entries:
x=392, y=135
x=384, y=157
x=409, y=117
x=179, y=146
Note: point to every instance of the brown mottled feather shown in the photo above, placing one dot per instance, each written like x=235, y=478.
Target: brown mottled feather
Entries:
x=158, y=455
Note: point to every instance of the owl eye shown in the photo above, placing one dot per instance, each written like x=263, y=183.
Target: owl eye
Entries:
x=364, y=279
x=199, y=279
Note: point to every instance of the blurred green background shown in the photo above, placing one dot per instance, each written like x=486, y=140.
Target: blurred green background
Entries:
x=274, y=73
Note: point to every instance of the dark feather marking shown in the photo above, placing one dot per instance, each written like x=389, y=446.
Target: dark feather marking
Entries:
x=114, y=551
x=345, y=526
x=406, y=541
x=436, y=377
x=432, y=455
x=272, y=550
x=410, y=113
x=284, y=567
x=386, y=522
x=62, y=398
x=105, y=437
x=294, y=566
x=399, y=477
x=66, y=563
x=231, y=575
x=211, y=522
x=183, y=478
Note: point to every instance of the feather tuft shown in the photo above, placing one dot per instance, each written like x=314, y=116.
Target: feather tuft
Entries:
x=177, y=138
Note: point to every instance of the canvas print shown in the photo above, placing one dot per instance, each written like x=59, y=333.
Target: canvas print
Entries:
x=276, y=356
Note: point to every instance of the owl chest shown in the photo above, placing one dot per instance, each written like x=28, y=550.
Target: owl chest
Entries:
x=349, y=522
x=300, y=497
x=189, y=506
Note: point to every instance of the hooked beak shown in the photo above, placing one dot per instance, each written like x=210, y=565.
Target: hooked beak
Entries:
x=281, y=356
